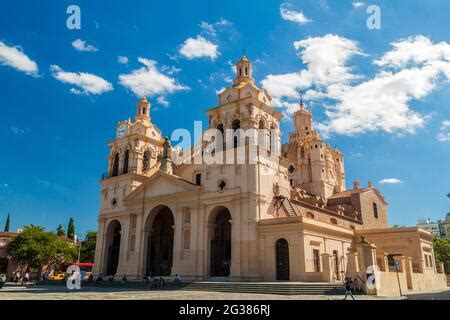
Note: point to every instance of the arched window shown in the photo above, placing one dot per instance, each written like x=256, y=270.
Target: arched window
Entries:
x=262, y=134
x=271, y=138
x=146, y=161
x=125, y=161
x=115, y=169
x=291, y=169
x=236, y=125
x=220, y=128
x=261, y=124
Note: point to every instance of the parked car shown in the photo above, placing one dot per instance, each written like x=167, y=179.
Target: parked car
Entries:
x=59, y=276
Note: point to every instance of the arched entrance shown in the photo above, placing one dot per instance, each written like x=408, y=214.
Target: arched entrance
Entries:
x=221, y=243
x=113, y=236
x=282, y=257
x=160, y=233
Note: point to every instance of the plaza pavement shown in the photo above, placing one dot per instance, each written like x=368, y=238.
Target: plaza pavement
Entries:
x=52, y=292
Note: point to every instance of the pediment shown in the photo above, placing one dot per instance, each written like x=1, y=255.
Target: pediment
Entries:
x=160, y=185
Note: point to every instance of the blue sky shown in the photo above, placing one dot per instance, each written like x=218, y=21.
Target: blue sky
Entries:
x=62, y=91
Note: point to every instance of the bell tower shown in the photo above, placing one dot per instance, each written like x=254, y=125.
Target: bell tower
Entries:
x=243, y=71
x=143, y=110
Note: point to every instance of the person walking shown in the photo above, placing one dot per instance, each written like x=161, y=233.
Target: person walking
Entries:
x=17, y=277
x=27, y=277
x=177, y=280
x=348, y=288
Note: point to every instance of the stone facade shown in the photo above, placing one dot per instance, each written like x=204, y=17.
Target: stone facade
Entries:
x=286, y=216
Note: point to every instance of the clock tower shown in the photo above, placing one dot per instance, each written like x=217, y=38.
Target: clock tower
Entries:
x=133, y=156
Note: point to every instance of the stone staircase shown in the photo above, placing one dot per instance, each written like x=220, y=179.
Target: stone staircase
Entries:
x=293, y=212
x=280, y=288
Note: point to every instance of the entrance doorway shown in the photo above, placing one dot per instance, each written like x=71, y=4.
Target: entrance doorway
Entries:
x=160, y=244
x=113, y=240
x=282, y=257
x=221, y=245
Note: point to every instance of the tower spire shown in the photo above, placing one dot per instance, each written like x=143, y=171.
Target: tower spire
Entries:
x=243, y=70
x=302, y=106
x=143, y=110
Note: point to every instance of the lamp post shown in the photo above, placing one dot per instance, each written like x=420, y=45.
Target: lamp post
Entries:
x=396, y=263
x=79, y=247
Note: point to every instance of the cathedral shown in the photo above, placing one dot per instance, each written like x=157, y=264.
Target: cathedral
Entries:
x=288, y=216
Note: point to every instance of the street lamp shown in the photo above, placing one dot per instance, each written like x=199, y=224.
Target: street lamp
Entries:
x=396, y=263
x=79, y=247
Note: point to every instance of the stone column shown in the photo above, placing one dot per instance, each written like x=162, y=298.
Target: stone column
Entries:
x=409, y=274
x=235, y=268
x=122, y=267
x=177, y=240
x=198, y=244
x=99, y=248
x=352, y=263
x=367, y=254
x=327, y=270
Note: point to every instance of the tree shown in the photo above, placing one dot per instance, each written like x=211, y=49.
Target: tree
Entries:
x=60, y=232
x=442, y=251
x=87, y=253
x=71, y=230
x=7, y=224
x=34, y=247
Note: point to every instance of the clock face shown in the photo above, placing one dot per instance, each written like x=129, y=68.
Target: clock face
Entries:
x=122, y=131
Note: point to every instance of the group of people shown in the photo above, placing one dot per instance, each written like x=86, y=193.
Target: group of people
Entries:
x=158, y=283
x=23, y=280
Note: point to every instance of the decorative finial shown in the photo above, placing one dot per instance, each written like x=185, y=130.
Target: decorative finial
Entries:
x=302, y=106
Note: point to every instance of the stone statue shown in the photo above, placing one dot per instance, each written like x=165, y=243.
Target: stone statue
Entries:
x=167, y=149
x=276, y=189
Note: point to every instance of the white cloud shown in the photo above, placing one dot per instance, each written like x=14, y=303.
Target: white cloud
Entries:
x=86, y=83
x=122, y=59
x=163, y=101
x=149, y=81
x=358, y=4
x=82, y=46
x=170, y=69
x=390, y=181
x=293, y=16
x=326, y=59
x=211, y=29
x=18, y=131
x=444, y=136
x=199, y=48
x=15, y=57
x=355, y=104
x=445, y=124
